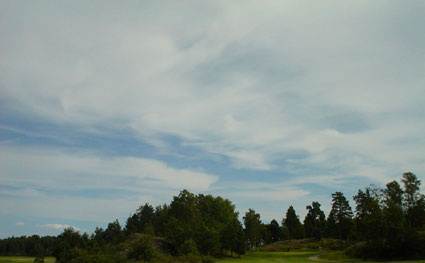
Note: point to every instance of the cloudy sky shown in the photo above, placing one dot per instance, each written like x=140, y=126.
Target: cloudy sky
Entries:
x=107, y=105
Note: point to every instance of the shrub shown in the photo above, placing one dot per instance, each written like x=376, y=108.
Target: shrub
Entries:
x=97, y=258
x=188, y=248
x=142, y=249
x=208, y=259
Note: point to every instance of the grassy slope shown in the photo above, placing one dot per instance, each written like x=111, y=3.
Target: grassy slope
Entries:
x=288, y=257
x=24, y=259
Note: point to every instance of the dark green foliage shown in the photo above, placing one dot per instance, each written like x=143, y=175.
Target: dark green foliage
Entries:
x=314, y=221
x=34, y=246
x=388, y=224
x=369, y=218
x=393, y=194
x=208, y=240
x=93, y=258
x=291, y=224
x=200, y=218
x=271, y=233
x=253, y=228
x=339, y=223
x=175, y=235
x=141, y=221
x=160, y=218
x=142, y=248
x=114, y=233
x=414, y=201
x=275, y=231
x=233, y=237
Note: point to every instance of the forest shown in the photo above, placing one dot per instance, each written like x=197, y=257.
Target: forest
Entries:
x=383, y=224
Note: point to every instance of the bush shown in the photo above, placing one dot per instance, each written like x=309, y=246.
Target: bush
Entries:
x=142, y=249
x=188, y=248
x=97, y=258
x=334, y=244
x=190, y=258
x=208, y=259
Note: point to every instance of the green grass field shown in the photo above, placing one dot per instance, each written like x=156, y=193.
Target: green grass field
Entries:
x=288, y=257
x=272, y=257
x=23, y=260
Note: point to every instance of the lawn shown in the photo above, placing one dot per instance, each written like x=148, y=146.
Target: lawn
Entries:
x=272, y=257
x=288, y=257
x=24, y=259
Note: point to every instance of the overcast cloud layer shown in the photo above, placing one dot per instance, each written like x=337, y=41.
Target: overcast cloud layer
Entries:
x=107, y=105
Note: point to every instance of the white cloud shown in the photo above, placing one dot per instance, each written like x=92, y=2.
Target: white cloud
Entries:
x=59, y=227
x=274, y=195
x=156, y=81
x=57, y=169
x=324, y=91
x=20, y=224
x=55, y=184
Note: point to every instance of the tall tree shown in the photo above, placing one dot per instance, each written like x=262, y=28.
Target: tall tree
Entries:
x=292, y=225
x=275, y=231
x=233, y=237
x=114, y=233
x=252, y=224
x=369, y=215
x=141, y=221
x=414, y=201
x=314, y=221
x=160, y=219
x=339, y=221
x=184, y=208
x=393, y=194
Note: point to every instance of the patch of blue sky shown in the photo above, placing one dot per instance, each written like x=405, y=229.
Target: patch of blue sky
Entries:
x=117, y=143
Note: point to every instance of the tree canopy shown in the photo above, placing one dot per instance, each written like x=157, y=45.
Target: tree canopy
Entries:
x=387, y=223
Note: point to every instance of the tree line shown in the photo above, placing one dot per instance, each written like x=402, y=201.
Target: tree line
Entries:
x=387, y=223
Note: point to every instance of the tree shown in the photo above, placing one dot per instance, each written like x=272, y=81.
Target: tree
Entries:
x=184, y=208
x=369, y=215
x=414, y=201
x=411, y=189
x=114, y=233
x=68, y=246
x=393, y=210
x=233, y=237
x=292, y=225
x=252, y=224
x=275, y=231
x=39, y=253
x=314, y=221
x=141, y=221
x=207, y=240
x=142, y=249
x=175, y=234
x=393, y=194
x=160, y=218
x=339, y=221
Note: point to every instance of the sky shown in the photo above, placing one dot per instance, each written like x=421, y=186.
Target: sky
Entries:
x=107, y=105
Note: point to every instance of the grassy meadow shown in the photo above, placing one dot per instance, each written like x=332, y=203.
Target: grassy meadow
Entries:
x=288, y=257
x=24, y=259
x=272, y=257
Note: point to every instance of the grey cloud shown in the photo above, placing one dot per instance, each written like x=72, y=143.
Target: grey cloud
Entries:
x=249, y=83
